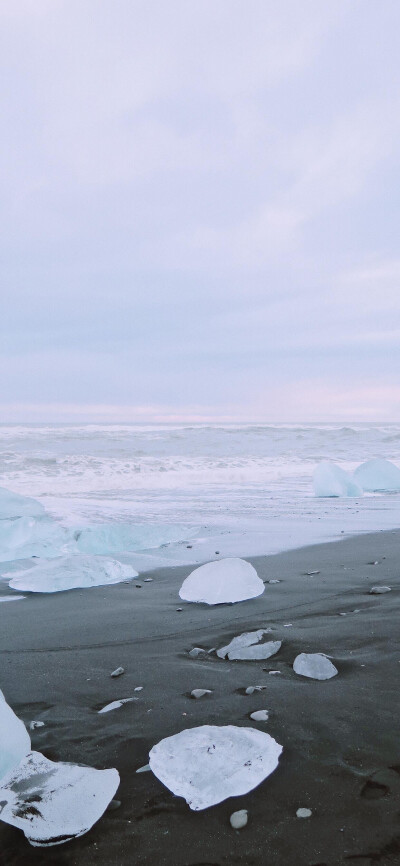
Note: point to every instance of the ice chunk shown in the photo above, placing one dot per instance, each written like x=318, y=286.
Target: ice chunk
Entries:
x=23, y=537
x=378, y=475
x=53, y=803
x=115, y=705
x=314, y=665
x=206, y=765
x=71, y=572
x=379, y=590
x=114, y=538
x=331, y=480
x=248, y=646
x=15, y=505
x=199, y=693
x=239, y=819
x=260, y=715
x=304, y=813
x=15, y=741
x=223, y=582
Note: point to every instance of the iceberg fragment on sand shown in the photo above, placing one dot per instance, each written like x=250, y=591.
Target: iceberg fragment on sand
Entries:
x=52, y=802
x=208, y=764
x=314, y=665
x=23, y=537
x=15, y=505
x=378, y=476
x=331, y=480
x=15, y=741
x=115, y=538
x=225, y=581
x=247, y=646
x=71, y=572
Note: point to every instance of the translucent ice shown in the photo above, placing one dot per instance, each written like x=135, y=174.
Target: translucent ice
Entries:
x=248, y=646
x=15, y=505
x=23, y=537
x=314, y=665
x=331, y=480
x=71, y=572
x=53, y=803
x=378, y=476
x=115, y=705
x=114, y=538
x=206, y=765
x=15, y=741
x=223, y=582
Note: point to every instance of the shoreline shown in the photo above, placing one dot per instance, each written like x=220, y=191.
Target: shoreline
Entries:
x=339, y=737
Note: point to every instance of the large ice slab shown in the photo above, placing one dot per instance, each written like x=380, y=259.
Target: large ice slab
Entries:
x=53, y=803
x=71, y=572
x=223, y=582
x=378, y=476
x=24, y=537
x=206, y=765
x=15, y=505
x=248, y=646
x=332, y=480
x=14, y=739
x=117, y=537
x=314, y=665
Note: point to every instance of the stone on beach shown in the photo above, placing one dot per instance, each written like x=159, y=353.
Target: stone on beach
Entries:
x=247, y=646
x=53, y=803
x=71, y=572
x=314, y=665
x=225, y=581
x=239, y=819
x=331, y=480
x=378, y=476
x=15, y=741
x=208, y=764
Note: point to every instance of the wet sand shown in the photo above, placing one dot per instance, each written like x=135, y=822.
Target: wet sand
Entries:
x=341, y=746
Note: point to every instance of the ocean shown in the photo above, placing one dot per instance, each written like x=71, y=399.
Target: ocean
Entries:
x=190, y=490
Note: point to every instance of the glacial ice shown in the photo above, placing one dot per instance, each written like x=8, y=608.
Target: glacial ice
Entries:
x=52, y=802
x=117, y=537
x=332, y=480
x=248, y=646
x=225, y=581
x=115, y=705
x=314, y=665
x=23, y=537
x=15, y=505
x=378, y=476
x=15, y=741
x=71, y=572
x=208, y=764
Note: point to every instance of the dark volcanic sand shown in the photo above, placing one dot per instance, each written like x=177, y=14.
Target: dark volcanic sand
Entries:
x=341, y=739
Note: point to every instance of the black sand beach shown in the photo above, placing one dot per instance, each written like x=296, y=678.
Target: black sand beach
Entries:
x=341, y=746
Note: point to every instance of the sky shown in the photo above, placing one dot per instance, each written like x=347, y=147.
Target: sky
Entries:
x=200, y=210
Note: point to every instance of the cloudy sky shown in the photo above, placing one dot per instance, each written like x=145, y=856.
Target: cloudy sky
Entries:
x=200, y=209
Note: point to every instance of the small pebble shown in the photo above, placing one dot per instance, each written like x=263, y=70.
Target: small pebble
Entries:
x=33, y=725
x=374, y=563
x=145, y=769
x=379, y=590
x=138, y=689
x=118, y=672
x=310, y=573
x=239, y=819
x=217, y=552
x=113, y=805
x=197, y=652
x=179, y=609
x=260, y=716
x=304, y=813
x=189, y=546
x=138, y=585
x=199, y=693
